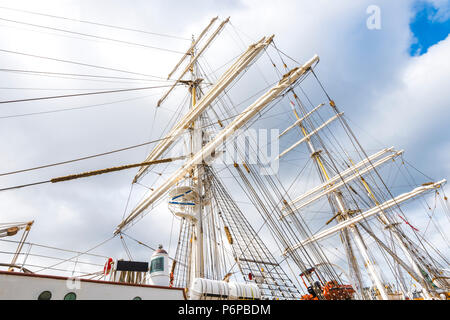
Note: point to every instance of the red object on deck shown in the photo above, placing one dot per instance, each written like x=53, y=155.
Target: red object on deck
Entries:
x=333, y=291
x=108, y=266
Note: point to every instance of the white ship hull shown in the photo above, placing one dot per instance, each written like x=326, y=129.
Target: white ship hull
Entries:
x=21, y=286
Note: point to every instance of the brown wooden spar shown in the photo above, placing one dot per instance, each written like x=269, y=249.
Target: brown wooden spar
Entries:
x=112, y=169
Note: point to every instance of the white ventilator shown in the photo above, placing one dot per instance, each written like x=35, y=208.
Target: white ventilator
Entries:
x=159, y=268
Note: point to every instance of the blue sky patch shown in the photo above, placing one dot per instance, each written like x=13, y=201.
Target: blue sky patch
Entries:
x=427, y=28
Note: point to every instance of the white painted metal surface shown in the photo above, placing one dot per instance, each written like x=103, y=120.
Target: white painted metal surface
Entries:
x=159, y=268
x=18, y=286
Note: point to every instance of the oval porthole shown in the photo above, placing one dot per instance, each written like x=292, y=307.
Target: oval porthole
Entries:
x=137, y=298
x=70, y=296
x=45, y=295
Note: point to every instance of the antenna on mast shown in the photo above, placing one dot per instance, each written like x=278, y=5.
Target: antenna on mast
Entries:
x=194, y=43
x=194, y=57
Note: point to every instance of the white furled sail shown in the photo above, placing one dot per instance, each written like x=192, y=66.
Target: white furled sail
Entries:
x=238, y=66
x=323, y=125
x=337, y=182
x=296, y=123
x=366, y=214
x=287, y=80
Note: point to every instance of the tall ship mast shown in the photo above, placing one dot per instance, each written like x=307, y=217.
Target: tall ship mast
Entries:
x=333, y=228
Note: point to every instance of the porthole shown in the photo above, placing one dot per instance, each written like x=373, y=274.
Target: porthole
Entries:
x=45, y=295
x=137, y=298
x=70, y=296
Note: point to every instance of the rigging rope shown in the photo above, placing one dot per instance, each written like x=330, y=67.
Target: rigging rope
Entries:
x=127, y=251
x=79, y=63
x=96, y=23
x=49, y=257
x=92, y=36
x=74, y=257
x=410, y=246
x=80, y=75
x=83, y=158
x=82, y=94
x=90, y=106
x=54, y=248
x=93, y=173
x=143, y=244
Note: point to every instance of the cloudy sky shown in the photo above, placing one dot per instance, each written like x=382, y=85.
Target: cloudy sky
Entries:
x=392, y=82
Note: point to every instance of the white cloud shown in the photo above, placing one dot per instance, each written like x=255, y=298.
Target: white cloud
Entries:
x=414, y=114
x=443, y=10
